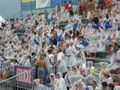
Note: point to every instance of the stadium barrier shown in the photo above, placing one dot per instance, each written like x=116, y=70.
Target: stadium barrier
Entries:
x=22, y=80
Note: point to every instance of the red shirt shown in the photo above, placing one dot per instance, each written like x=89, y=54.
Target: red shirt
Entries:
x=69, y=7
x=83, y=8
x=66, y=5
x=118, y=83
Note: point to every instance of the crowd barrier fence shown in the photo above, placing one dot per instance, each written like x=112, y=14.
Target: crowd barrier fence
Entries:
x=12, y=84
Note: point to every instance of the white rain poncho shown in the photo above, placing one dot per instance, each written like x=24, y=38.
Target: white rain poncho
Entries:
x=70, y=58
x=38, y=86
x=90, y=64
x=74, y=78
x=53, y=80
x=80, y=57
x=62, y=66
x=90, y=78
x=60, y=85
x=117, y=88
x=113, y=63
x=79, y=85
x=51, y=63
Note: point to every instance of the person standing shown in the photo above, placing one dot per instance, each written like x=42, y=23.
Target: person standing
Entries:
x=91, y=5
x=70, y=9
x=58, y=10
x=61, y=65
x=66, y=4
x=41, y=63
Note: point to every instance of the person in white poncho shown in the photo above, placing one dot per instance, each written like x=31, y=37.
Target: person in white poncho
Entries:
x=69, y=55
x=61, y=65
x=38, y=86
x=53, y=80
x=79, y=85
x=60, y=85
x=113, y=59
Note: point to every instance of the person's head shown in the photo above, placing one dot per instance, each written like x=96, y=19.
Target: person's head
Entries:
x=42, y=56
x=15, y=61
x=90, y=63
x=67, y=45
x=114, y=51
x=43, y=43
x=111, y=86
x=28, y=57
x=69, y=68
x=60, y=49
x=104, y=85
x=90, y=0
x=52, y=76
x=80, y=85
x=103, y=65
x=93, y=84
x=58, y=4
x=106, y=73
x=50, y=51
x=58, y=75
x=75, y=68
x=33, y=54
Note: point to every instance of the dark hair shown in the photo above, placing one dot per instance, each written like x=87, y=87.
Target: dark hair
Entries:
x=49, y=51
x=107, y=16
x=90, y=0
x=104, y=84
x=111, y=86
x=33, y=53
x=68, y=67
x=70, y=2
x=95, y=82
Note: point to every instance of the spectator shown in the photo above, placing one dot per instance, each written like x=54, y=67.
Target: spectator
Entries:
x=60, y=85
x=61, y=65
x=106, y=77
x=104, y=86
x=70, y=9
x=94, y=85
x=41, y=68
x=66, y=4
x=53, y=81
x=111, y=86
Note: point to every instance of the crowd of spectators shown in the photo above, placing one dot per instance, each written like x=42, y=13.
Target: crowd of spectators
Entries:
x=59, y=54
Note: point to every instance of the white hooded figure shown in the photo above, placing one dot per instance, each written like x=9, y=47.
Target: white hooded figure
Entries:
x=70, y=57
x=60, y=85
x=103, y=66
x=117, y=88
x=114, y=57
x=79, y=85
x=74, y=78
x=61, y=65
x=53, y=80
x=38, y=86
x=51, y=63
x=80, y=56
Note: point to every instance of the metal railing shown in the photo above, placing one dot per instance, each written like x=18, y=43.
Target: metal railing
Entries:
x=11, y=84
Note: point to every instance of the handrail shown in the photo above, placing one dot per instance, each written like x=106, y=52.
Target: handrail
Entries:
x=15, y=76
